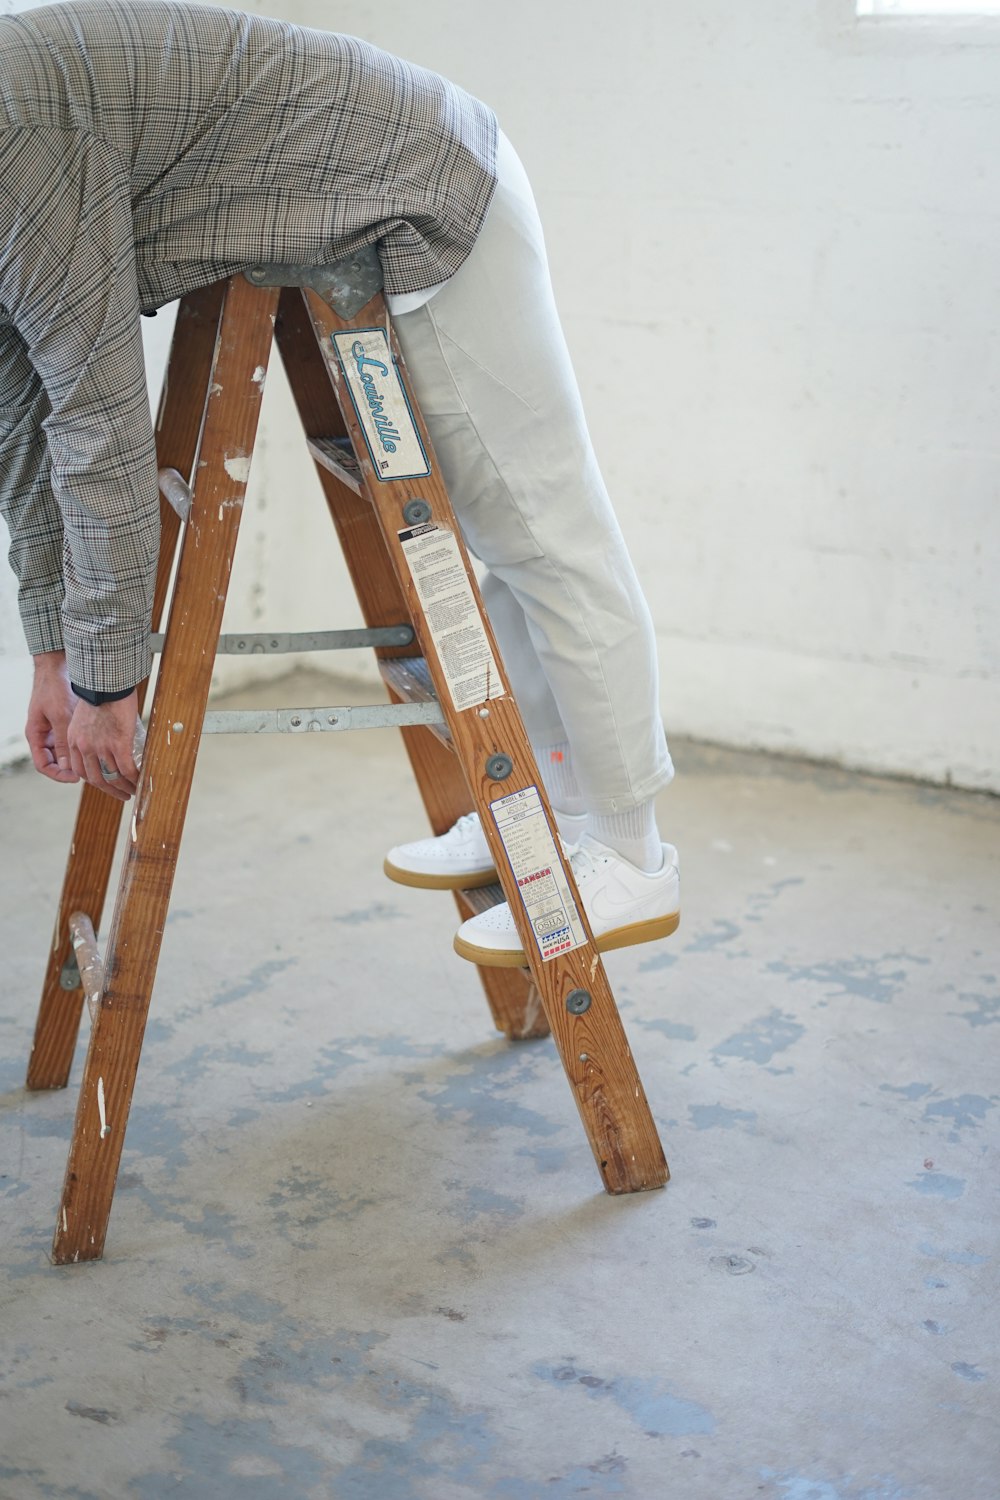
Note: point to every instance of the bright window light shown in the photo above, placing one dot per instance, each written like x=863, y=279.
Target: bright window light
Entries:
x=928, y=7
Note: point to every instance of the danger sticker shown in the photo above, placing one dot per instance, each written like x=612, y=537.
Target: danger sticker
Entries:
x=534, y=859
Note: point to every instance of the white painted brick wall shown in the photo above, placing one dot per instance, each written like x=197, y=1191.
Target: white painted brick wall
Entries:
x=774, y=235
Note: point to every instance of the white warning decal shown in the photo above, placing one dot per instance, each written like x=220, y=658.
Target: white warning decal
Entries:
x=438, y=571
x=531, y=849
x=382, y=405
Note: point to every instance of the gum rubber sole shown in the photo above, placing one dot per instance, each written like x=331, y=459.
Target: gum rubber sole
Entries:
x=440, y=882
x=618, y=937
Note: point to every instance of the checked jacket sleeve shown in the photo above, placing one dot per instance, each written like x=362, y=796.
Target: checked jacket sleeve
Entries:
x=77, y=457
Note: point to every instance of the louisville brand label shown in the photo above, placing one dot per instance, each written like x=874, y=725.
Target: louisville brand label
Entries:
x=452, y=615
x=531, y=849
x=382, y=404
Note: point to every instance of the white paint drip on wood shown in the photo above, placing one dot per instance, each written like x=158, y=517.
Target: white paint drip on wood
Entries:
x=237, y=466
x=105, y=1127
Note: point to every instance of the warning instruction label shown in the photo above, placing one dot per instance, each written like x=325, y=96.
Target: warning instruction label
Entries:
x=452, y=615
x=531, y=849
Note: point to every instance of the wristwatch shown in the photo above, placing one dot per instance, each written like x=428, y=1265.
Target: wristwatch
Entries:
x=95, y=699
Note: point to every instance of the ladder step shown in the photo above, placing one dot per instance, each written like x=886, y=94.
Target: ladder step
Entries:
x=175, y=489
x=481, y=899
x=410, y=679
x=337, y=455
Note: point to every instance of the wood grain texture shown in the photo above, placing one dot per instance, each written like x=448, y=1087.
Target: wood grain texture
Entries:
x=92, y=847
x=160, y=805
x=593, y=1047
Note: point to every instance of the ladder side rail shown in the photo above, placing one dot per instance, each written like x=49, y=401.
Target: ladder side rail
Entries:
x=439, y=776
x=95, y=835
x=133, y=944
x=591, y=1040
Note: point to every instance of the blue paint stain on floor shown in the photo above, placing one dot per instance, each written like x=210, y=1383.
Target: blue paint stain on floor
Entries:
x=232, y=1460
x=907, y=1090
x=762, y=1038
x=647, y=1400
x=479, y=1093
x=254, y=983
x=472, y=1202
x=720, y=933
x=792, y=1486
x=675, y=1030
x=985, y=1009
x=658, y=961
x=379, y=911
x=37, y=1477
x=967, y=1110
x=969, y=1372
x=719, y=1117
x=954, y=1257
x=602, y=1479
x=550, y=1159
x=869, y=978
x=938, y=1185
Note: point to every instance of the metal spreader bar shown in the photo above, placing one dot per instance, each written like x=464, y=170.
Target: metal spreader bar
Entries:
x=319, y=720
x=274, y=643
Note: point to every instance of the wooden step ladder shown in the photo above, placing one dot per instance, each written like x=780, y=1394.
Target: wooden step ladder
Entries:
x=464, y=735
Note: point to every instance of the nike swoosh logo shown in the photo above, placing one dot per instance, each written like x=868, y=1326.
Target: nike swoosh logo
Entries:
x=607, y=909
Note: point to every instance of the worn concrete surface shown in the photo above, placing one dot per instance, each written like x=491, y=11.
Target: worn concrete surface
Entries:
x=359, y=1249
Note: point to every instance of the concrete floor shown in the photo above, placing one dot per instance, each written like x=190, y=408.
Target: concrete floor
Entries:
x=359, y=1248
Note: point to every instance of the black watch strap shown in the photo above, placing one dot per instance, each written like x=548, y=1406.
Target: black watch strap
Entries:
x=95, y=699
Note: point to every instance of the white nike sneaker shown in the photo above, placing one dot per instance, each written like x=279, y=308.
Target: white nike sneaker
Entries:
x=625, y=905
x=459, y=859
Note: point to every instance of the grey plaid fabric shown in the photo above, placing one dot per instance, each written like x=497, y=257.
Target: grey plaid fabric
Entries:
x=147, y=149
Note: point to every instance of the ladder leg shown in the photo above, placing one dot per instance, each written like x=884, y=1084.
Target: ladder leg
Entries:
x=92, y=847
x=133, y=944
x=489, y=739
x=512, y=998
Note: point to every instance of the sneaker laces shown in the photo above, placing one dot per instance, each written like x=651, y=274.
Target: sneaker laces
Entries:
x=581, y=862
x=464, y=824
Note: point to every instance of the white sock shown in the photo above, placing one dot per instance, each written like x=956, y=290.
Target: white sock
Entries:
x=555, y=762
x=632, y=833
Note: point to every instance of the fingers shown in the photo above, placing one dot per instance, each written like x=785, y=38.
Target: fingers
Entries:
x=48, y=756
x=100, y=744
x=101, y=772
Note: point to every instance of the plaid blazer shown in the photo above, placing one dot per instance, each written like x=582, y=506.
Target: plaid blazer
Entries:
x=148, y=148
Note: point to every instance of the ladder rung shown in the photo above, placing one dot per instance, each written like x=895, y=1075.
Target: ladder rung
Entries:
x=176, y=491
x=410, y=679
x=90, y=965
x=338, y=459
x=481, y=899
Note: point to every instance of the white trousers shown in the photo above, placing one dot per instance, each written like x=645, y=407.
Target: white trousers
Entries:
x=491, y=371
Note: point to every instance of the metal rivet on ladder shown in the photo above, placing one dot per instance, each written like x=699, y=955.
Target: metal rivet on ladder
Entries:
x=416, y=512
x=257, y=274
x=578, y=1001
x=499, y=767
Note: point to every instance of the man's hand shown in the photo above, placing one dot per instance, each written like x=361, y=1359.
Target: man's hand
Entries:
x=101, y=742
x=49, y=712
